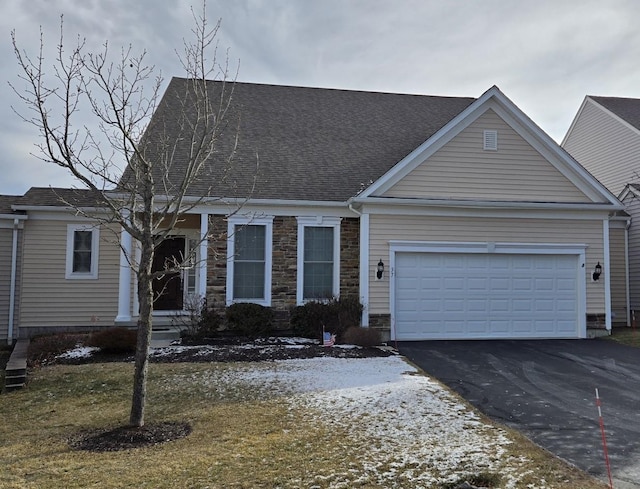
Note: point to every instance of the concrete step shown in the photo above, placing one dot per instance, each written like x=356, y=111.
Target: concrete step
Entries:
x=164, y=336
x=16, y=369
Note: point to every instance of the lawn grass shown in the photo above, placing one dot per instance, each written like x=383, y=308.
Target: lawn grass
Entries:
x=626, y=336
x=243, y=436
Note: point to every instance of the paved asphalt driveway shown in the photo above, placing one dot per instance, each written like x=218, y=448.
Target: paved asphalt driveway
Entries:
x=546, y=389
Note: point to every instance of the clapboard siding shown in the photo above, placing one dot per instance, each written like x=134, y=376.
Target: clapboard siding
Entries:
x=618, y=281
x=633, y=208
x=605, y=146
x=385, y=228
x=6, y=246
x=53, y=300
x=463, y=170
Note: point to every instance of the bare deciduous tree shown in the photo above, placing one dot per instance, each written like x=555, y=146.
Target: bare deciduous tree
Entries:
x=142, y=182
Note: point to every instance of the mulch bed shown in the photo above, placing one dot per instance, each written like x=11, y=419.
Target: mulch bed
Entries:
x=129, y=437
x=234, y=350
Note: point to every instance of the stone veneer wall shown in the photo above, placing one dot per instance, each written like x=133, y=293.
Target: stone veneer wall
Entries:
x=350, y=257
x=381, y=322
x=284, y=263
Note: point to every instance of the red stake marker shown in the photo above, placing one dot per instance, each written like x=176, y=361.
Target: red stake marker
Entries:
x=604, y=439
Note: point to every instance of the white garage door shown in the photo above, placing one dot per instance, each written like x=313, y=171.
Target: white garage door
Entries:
x=474, y=296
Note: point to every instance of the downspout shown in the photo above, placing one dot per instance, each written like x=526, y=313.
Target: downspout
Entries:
x=607, y=275
x=12, y=286
x=626, y=273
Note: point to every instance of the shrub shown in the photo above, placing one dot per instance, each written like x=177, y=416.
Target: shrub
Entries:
x=252, y=320
x=366, y=337
x=334, y=315
x=201, y=320
x=43, y=348
x=115, y=340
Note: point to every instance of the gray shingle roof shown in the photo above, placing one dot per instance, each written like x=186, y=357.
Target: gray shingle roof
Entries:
x=6, y=201
x=625, y=108
x=49, y=196
x=311, y=143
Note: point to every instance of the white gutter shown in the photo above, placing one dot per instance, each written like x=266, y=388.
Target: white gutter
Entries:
x=479, y=204
x=12, y=286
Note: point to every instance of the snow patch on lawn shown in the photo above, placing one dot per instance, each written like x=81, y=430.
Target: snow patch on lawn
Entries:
x=79, y=352
x=409, y=426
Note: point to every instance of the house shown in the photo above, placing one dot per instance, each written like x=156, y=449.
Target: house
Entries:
x=448, y=217
x=605, y=138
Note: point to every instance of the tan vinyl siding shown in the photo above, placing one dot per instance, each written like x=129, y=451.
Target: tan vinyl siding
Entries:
x=463, y=170
x=617, y=266
x=633, y=208
x=48, y=299
x=6, y=246
x=385, y=228
x=606, y=147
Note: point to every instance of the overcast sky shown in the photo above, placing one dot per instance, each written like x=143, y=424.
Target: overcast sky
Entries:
x=545, y=55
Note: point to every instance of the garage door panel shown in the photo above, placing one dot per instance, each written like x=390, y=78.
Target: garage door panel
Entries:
x=457, y=295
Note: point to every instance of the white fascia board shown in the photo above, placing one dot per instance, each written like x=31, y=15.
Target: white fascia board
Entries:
x=277, y=208
x=485, y=204
x=471, y=212
x=58, y=215
x=13, y=216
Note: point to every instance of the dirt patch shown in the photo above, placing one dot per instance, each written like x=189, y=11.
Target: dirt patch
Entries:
x=128, y=437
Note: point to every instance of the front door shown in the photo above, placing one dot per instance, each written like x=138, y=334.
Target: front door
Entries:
x=167, y=289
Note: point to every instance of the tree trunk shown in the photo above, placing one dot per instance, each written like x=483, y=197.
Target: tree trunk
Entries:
x=145, y=297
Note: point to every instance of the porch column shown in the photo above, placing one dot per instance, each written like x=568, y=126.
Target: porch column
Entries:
x=204, y=248
x=124, y=281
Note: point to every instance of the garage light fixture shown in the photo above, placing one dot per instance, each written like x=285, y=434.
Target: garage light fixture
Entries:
x=380, y=270
x=597, y=271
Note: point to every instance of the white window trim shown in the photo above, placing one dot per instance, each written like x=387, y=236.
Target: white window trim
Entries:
x=232, y=222
x=95, y=238
x=318, y=221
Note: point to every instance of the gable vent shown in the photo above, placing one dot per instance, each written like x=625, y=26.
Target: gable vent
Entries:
x=490, y=140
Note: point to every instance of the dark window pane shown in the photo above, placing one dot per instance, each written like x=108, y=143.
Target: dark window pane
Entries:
x=249, y=242
x=82, y=251
x=318, y=263
x=318, y=280
x=249, y=262
x=318, y=244
x=248, y=280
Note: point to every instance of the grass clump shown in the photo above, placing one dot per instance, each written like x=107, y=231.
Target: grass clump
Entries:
x=625, y=336
x=366, y=337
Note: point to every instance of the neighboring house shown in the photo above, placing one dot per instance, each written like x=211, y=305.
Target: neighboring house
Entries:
x=448, y=217
x=605, y=138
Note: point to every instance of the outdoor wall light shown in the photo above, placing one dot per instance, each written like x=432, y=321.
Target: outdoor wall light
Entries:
x=597, y=271
x=380, y=270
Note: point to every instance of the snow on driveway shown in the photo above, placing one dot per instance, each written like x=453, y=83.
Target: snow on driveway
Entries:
x=411, y=428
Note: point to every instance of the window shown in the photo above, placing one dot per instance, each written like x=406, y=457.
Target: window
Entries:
x=82, y=252
x=318, y=258
x=249, y=260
